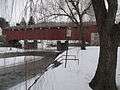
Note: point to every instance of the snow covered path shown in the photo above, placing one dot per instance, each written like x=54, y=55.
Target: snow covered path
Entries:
x=74, y=77
x=7, y=62
x=10, y=49
x=13, y=61
x=13, y=56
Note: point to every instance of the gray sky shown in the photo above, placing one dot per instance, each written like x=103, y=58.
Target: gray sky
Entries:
x=18, y=10
x=12, y=10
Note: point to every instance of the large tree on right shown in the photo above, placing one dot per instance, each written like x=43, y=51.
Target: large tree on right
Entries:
x=105, y=77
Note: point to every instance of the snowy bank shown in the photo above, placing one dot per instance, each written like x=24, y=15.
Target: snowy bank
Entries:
x=13, y=61
x=10, y=49
x=75, y=77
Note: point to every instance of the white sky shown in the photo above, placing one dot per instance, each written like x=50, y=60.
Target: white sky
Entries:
x=6, y=9
x=18, y=10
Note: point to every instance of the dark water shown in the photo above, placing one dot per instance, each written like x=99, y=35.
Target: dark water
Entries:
x=14, y=75
x=10, y=77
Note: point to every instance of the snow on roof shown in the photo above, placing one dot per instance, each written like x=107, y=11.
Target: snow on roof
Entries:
x=51, y=24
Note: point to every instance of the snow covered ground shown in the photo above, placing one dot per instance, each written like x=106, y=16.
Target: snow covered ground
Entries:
x=75, y=77
x=12, y=61
x=10, y=49
x=6, y=62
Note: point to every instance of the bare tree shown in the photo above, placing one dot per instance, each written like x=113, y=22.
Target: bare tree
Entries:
x=74, y=10
x=104, y=78
x=75, y=14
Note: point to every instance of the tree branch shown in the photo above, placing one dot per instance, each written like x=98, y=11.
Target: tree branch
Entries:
x=86, y=9
x=76, y=8
x=112, y=10
x=71, y=12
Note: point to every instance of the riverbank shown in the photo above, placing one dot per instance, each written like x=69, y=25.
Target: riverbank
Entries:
x=11, y=76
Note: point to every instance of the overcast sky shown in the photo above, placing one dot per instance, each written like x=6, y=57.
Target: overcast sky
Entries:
x=18, y=10
x=12, y=10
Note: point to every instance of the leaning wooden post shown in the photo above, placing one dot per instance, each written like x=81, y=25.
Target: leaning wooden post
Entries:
x=68, y=35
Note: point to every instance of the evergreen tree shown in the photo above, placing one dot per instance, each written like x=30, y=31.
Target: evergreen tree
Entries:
x=31, y=21
x=3, y=23
x=23, y=22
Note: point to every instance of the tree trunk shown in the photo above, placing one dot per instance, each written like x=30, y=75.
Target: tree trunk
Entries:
x=82, y=39
x=104, y=78
x=83, y=45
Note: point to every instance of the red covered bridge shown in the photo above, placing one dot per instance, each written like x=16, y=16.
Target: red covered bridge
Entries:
x=46, y=33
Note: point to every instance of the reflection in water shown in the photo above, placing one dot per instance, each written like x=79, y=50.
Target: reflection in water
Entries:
x=19, y=70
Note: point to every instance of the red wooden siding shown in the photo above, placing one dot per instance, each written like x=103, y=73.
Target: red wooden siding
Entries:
x=42, y=33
